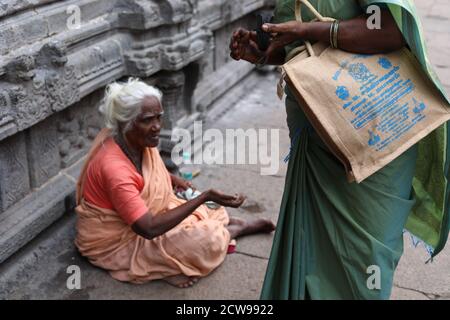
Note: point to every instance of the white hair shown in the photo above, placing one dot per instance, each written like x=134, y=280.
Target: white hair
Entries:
x=123, y=102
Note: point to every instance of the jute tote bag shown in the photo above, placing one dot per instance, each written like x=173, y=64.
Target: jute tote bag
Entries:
x=368, y=109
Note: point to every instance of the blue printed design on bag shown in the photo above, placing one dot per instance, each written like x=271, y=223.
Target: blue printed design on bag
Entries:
x=385, y=63
x=360, y=72
x=419, y=107
x=385, y=100
x=374, y=138
x=342, y=93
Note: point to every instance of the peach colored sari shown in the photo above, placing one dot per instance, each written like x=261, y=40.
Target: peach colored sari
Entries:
x=195, y=247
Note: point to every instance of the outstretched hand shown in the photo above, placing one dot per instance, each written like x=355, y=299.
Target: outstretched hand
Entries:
x=225, y=200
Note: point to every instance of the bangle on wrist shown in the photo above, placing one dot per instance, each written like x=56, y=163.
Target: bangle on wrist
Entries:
x=334, y=29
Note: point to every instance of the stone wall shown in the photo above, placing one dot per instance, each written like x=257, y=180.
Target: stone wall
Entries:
x=52, y=76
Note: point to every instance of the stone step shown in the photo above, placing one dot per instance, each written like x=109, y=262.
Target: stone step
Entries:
x=25, y=220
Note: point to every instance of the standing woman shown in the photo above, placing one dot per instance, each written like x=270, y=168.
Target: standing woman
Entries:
x=333, y=235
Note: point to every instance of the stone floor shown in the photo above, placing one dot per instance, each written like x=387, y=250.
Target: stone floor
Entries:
x=436, y=23
x=39, y=270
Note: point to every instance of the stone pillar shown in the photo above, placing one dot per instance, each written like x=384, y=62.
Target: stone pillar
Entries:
x=172, y=86
x=14, y=180
x=77, y=127
x=43, y=152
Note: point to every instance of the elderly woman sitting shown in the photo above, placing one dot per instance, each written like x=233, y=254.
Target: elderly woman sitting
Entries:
x=129, y=220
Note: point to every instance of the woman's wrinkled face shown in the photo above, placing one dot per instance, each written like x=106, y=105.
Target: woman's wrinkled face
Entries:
x=146, y=128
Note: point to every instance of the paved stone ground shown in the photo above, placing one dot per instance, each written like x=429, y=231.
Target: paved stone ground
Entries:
x=436, y=23
x=39, y=270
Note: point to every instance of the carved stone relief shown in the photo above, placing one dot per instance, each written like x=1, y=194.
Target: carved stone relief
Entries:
x=77, y=127
x=14, y=181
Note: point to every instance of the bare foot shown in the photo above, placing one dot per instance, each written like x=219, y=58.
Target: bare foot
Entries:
x=259, y=226
x=237, y=221
x=181, y=281
x=239, y=227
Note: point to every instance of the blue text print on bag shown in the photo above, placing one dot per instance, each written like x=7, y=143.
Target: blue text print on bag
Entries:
x=379, y=96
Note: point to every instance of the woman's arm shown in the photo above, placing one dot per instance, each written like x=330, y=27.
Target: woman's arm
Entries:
x=150, y=226
x=353, y=35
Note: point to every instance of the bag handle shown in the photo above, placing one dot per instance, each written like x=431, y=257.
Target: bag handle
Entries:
x=298, y=17
x=298, y=11
x=307, y=47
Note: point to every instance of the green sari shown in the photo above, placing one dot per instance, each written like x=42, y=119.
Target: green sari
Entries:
x=331, y=233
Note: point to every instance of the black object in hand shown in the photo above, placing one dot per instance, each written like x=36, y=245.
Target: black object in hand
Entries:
x=263, y=38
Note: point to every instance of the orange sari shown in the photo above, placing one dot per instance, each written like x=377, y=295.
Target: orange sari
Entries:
x=195, y=247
